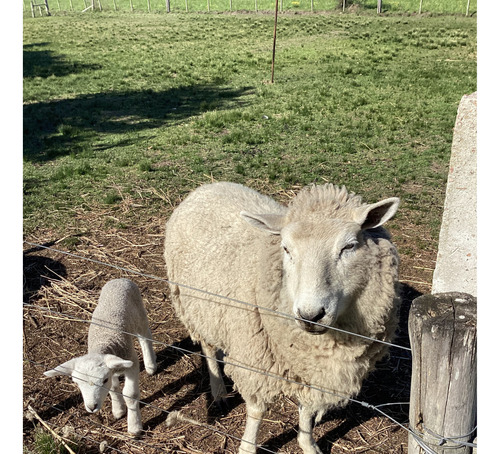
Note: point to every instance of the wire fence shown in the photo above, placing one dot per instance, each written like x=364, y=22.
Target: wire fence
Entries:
x=464, y=7
x=451, y=441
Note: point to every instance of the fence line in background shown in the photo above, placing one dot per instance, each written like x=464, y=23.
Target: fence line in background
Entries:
x=459, y=6
x=215, y=295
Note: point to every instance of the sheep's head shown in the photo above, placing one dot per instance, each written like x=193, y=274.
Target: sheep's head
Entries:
x=93, y=374
x=324, y=266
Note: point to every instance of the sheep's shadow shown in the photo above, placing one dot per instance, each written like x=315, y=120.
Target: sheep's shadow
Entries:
x=37, y=269
x=197, y=380
x=390, y=382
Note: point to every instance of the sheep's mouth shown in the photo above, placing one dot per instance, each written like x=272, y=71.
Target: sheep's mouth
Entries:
x=311, y=328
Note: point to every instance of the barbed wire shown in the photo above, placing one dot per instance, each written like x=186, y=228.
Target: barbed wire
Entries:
x=215, y=295
x=376, y=408
x=417, y=435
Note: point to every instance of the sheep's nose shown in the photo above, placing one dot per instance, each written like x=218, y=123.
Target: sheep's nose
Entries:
x=311, y=316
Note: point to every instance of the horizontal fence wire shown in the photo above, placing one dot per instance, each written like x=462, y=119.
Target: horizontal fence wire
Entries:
x=376, y=408
x=417, y=435
x=215, y=295
x=155, y=407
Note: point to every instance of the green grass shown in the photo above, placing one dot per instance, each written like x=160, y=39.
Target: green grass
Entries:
x=123, y=105
x=46, y=444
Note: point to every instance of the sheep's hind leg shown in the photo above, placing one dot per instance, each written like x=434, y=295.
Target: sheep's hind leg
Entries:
x=131, y=395
x=305, y=438
x=118, y=407
x=217, y=385
x=254, y=418
x=148, y=353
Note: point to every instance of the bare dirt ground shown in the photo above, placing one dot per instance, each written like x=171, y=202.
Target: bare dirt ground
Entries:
x=62, y=291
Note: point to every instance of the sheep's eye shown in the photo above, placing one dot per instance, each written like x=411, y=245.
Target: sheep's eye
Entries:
x=348, y=248
x=287, y=252
x=105, y=381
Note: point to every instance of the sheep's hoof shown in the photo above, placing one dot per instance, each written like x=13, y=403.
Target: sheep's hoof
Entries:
x=151, y=370
x=222, y=405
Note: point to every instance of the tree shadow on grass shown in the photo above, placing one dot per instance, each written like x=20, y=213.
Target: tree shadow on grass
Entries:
x=45, y=63
x=60, y=127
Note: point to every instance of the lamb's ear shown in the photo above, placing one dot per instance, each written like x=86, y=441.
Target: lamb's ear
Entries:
x=115, y=363
x=271, y=223
x=376, y=214
x=66, y=368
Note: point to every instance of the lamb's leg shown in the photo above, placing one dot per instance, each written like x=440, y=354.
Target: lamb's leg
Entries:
x=217, y=385
x=131, y=395
x=305, y=438
x=118, y=406
x=255, y=413
x=148, y=353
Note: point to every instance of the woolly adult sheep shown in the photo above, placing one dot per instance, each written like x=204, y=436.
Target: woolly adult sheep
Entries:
x=324, y=260
x=119, y=315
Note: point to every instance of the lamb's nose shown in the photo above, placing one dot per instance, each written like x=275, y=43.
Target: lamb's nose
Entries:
x=311, y=316
x=91, y=408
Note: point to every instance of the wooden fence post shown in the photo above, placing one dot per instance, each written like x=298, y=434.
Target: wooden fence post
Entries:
x=379, y=6
x=442, y=330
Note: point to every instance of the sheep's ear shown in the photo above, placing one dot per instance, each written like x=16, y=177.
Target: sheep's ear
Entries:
x=115, y=363
x=376, y=214
x=66, y=368
x=271, y=223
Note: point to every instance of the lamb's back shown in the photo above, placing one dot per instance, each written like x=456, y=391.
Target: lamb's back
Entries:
x=119, y=311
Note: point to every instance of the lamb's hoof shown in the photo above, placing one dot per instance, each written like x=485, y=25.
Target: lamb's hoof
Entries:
x=151, y=370
x=119, y=414
x=136, y=433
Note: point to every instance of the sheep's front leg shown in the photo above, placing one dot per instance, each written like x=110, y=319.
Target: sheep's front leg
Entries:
x=305, y=437
x=148, y=353
x=131, y=395
x=217, y=385
x=118, y=406
x=254, y=418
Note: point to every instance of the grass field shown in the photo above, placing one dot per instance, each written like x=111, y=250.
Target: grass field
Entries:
x=122, y=106
x=125, y=113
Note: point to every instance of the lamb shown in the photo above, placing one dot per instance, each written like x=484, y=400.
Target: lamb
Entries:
x=324, y=260
x=119, y=315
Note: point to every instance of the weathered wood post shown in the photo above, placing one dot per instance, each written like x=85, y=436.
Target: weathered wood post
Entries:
x=442, y=329
x=379, y=6
x=442, y=326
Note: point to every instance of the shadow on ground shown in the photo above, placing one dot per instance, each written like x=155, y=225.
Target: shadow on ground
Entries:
x=60, y=127
x=45, y=63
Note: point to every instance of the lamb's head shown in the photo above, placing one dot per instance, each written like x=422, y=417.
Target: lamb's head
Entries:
x=324, y=251
x=93, y=375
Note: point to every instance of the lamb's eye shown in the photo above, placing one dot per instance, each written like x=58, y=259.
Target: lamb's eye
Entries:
x=105, y=381
x=287, y=252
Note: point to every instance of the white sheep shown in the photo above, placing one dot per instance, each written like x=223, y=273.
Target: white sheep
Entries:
x=324, y=260
x=118, y=318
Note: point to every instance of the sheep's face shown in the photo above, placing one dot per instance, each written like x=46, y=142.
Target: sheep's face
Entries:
x=322, y=270
x=93, y=374
x=323, y=262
